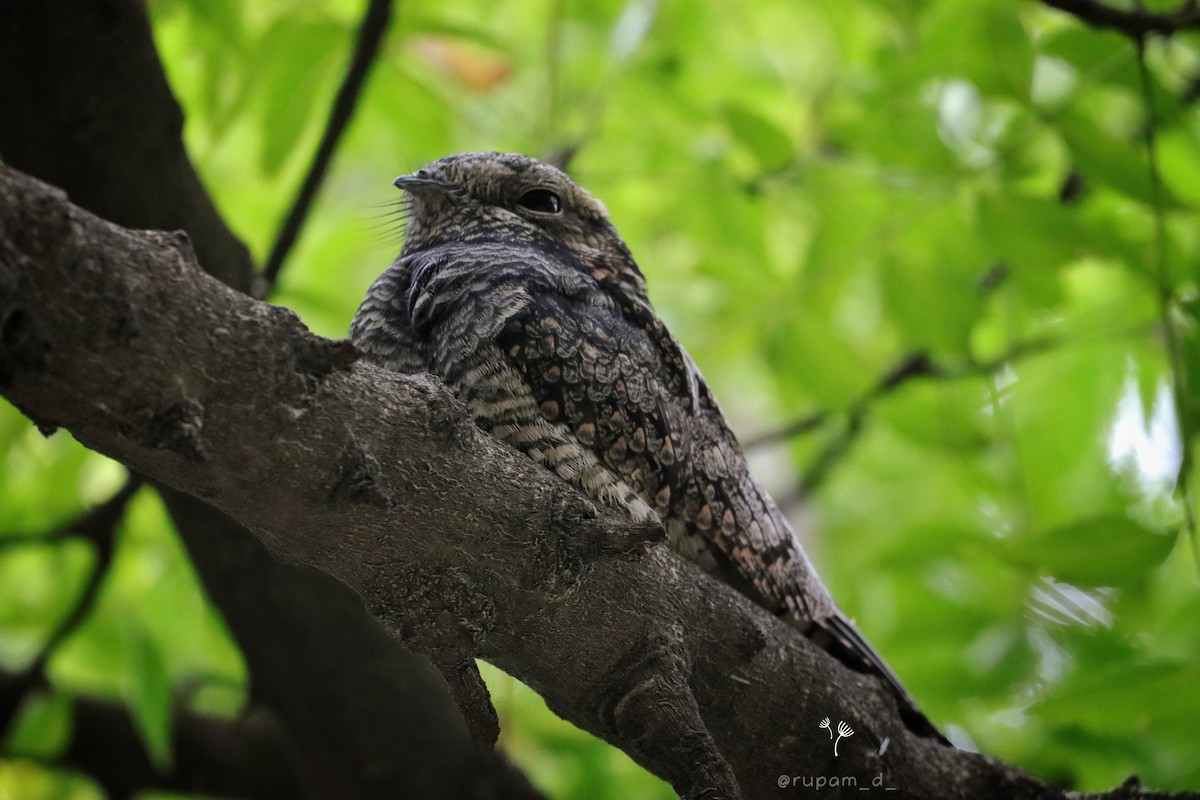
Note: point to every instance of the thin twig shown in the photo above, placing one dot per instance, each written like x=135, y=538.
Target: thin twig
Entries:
x=370, y=36
x=98, y=526
x=1016, y=352
x=912, y=366
x=828, y=457
x=809, y=422
x=1166, y=299
x=1135, y=22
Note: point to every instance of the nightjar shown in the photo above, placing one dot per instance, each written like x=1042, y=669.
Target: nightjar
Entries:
x=515, y=289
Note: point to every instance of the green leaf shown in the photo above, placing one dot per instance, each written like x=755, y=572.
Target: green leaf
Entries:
x=1098, y=56
x=1179, y=162
x=42, y=583
x=850, y=211
x=1120, y=165
x=940, y=414
x=294, y=77
x=999, y=57
x=1125, y=697
x=631, y=28
x=42, y=727
x=29, y=780
x=805, y=354
x=931, y=275
x=1109, y=550
x=1107, y=60
x=147, y=691
x=770, y=145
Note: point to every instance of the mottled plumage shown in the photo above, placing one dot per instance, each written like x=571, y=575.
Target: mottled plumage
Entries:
x=516, y=290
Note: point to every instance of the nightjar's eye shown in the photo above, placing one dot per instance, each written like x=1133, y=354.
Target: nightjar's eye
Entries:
x=542, y=201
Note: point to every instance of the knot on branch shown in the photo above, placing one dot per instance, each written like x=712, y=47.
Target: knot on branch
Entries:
x=359, y=479
x=308, y=359
x=176, y=428
x=24, y=343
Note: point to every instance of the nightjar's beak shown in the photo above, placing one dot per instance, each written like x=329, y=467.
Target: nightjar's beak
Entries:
x=416, y=183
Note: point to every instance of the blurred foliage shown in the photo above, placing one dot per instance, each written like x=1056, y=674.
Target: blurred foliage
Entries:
x=815, y=191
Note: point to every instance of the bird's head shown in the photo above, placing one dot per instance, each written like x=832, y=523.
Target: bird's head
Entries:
x=476, y=196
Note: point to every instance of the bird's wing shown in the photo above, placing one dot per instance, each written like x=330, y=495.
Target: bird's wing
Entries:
x=381, y=328
x=606, y=369
x=598, y=383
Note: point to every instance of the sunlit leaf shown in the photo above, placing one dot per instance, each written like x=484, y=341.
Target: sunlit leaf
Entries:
x=1000, y=58
x=43, y=582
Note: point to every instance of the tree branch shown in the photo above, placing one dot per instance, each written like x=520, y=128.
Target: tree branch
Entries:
x=329, y=672
x=98, y=526
x=382, y=481
x=243, y=758
x=912, y=366
x=86, y=107
x=1134, y=22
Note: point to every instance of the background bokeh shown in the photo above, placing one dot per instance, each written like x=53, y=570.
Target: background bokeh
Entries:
x=918, y=248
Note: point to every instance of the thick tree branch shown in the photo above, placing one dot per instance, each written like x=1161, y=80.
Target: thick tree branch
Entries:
x=382, y=481
x=297, y=625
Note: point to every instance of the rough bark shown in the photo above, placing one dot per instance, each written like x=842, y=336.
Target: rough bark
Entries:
x=382, y=481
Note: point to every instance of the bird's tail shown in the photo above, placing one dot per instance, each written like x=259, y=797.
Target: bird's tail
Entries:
x=838, y=637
